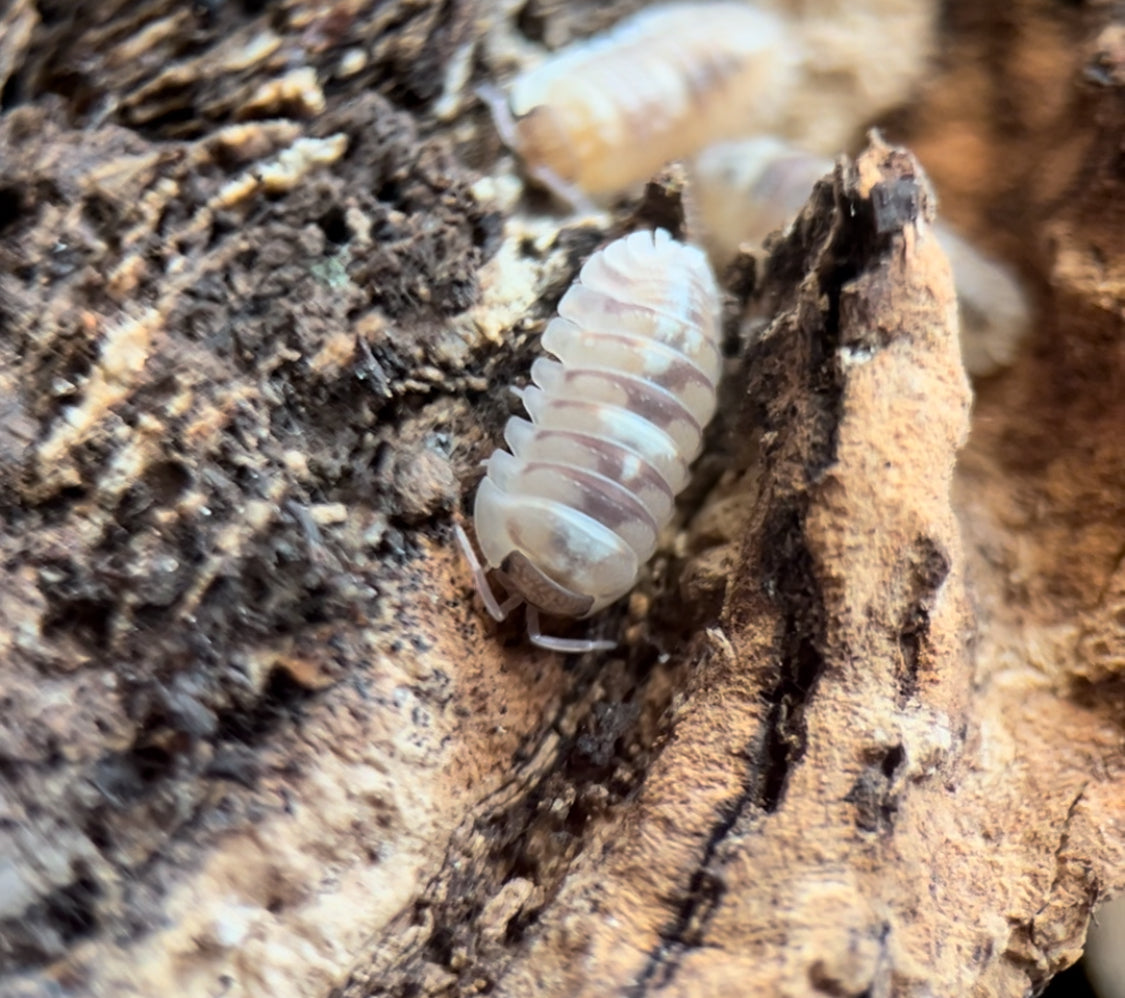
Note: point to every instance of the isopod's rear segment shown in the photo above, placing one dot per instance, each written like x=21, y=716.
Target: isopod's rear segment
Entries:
x=615, y=422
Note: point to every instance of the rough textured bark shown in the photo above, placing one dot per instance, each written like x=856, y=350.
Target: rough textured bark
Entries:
x=263, y=273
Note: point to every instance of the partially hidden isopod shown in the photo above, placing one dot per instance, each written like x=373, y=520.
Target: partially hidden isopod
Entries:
x=603, y=115
x=993, y=305
x=571, y=514
x=745, y=190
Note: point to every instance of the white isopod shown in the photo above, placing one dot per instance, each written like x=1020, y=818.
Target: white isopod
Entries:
x=603, y=115
x=745, y=190
x=569, y=517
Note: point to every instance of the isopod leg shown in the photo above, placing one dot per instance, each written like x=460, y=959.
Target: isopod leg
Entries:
x=496, y=609
x=570, y=646
x=563, y=190
x=502, y=118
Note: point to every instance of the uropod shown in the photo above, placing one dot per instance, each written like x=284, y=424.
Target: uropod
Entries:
x=603, y=115
x=567, y=517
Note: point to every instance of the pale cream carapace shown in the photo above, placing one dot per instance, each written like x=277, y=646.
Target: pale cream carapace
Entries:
x=745, y=190
x=569, y=517
x=603, y=115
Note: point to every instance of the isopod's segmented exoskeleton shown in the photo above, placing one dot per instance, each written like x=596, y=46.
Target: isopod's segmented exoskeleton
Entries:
x=572, y=513
x=603, y=115
x=745, y=190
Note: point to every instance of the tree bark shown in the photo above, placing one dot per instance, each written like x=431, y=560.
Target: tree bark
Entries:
x=264, y=274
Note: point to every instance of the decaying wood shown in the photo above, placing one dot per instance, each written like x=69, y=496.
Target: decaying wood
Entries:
x=261, y=272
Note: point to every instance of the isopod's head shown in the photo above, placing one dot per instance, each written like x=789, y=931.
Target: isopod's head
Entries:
x=545, y=146
x=545, y=129
x=536, y=132
x=537, y=588
x=556, y=558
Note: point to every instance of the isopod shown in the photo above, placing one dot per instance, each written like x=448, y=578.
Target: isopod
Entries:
x=993, y=305
x=745, y=190
x=571, y=514
x=603, y=115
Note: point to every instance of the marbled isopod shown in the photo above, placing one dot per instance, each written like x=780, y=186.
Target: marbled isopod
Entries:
x=601, y=116
x=570, y=515
x=745, y=190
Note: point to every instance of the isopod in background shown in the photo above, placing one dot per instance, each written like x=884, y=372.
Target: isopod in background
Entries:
x=994, y=307
x=600, y=116
x=569, y=516
x=745, y=190
x=603, y=115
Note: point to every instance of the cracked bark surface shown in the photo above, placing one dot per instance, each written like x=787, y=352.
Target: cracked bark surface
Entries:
x=263, y=277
